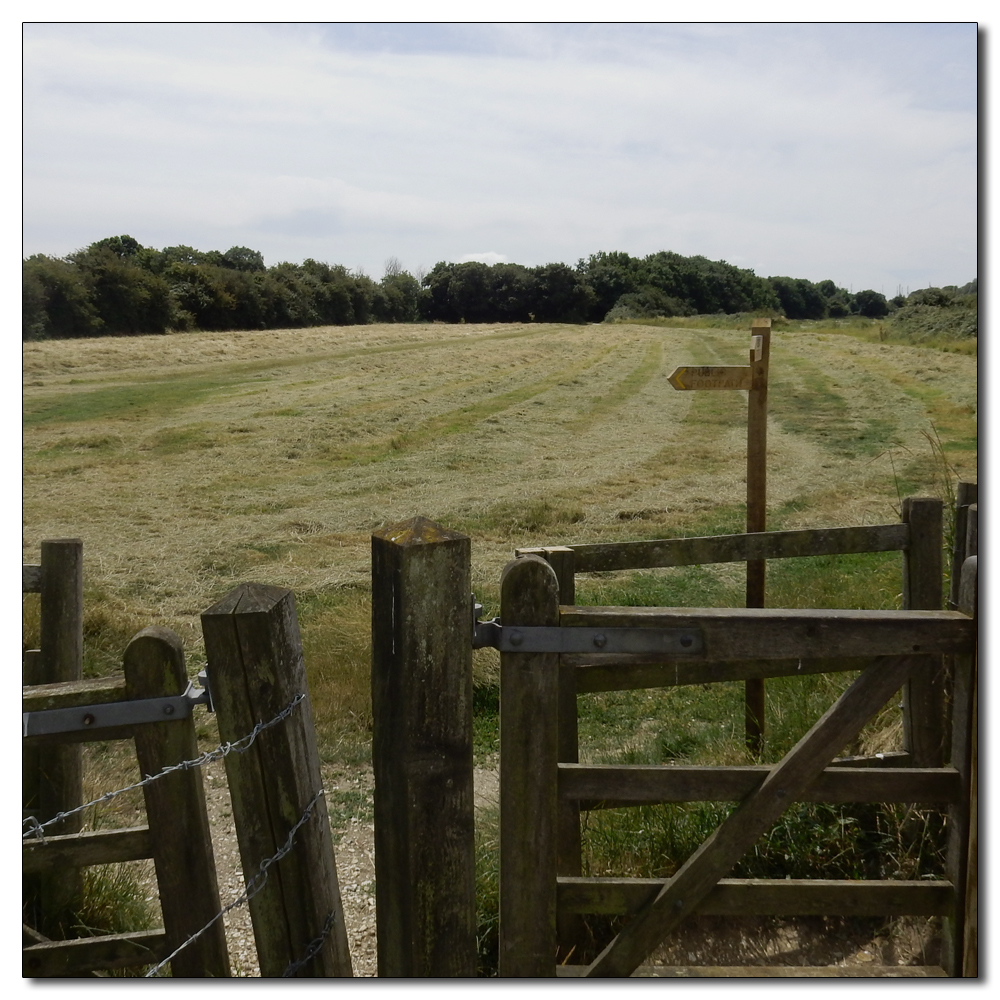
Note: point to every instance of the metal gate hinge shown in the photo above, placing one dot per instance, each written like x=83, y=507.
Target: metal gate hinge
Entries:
x=115, y=713
x=553, y=639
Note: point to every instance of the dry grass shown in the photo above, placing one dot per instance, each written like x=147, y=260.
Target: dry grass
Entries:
x=192, y=462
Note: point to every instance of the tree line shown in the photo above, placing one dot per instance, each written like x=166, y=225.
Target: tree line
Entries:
x=117, y=286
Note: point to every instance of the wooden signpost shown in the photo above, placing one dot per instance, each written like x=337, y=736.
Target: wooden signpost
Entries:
x=752, y=378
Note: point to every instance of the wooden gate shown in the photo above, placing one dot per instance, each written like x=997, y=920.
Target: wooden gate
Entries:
x=893, y=647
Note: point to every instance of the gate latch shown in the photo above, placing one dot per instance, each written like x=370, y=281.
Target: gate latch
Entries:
x=573, y=639
x=117, y=713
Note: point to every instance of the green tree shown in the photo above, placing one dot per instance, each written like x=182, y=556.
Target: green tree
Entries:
x=871, y=304
x=128, y=298
x=243, y=259
x=400, y=293
x=56, y=301
x=561, y=295
x=799, y=298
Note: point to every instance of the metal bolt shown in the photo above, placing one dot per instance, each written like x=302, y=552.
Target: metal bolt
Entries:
x=88, y=719
x=168, y=709
x=516, y=638
x=600, y=641
x=686, y=641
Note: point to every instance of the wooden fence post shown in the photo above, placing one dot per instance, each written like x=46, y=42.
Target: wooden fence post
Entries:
x=256, y=670
x=425, y=876
x=925, y=695
x=54, y=774
x=966, y=495
x=175, y=807
x=961, y=938
x=571, y=927
x=529, y=698
x=760, y=359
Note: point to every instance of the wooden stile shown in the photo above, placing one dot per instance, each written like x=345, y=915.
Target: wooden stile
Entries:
x=422, y=751
x=178, y=838
x=256, y=670
x=176, y=812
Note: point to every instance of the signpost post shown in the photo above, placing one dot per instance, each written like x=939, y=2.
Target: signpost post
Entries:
x=753, y=379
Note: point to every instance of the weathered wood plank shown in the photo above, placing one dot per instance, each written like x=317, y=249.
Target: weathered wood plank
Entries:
x=754, y=699
x=766, y=633
x=73, y=694
x=768, y=897
x=78, y=850
x=605, y=556
x=77, y=957
x=422, y=751
x=966, y=494
x=256, y=670
x=569, y=852
x=755, y=814
x=925, y=694
x=630, y=672
x=176, y=811
x=610, y=786
x=773, y=971
x=960, y=949
x=529, y=693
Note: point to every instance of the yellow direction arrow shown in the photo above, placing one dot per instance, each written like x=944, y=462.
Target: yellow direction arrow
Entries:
x=711, y=377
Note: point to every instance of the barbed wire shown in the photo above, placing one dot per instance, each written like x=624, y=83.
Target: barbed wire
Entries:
x=312, y=949
x=253, y=886
x=223, y=750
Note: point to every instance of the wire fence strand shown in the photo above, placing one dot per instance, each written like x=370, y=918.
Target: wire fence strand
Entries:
x=34, y=827
x=253, y=886
x=312, y=949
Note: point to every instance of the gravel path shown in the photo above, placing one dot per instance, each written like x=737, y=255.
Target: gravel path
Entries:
x=355, y=855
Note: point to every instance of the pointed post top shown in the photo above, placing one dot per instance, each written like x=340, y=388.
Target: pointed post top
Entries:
x=248, y=598
x=417, y=531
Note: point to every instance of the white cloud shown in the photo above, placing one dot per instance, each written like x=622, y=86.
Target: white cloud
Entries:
x=489, y=257
x=786, y=147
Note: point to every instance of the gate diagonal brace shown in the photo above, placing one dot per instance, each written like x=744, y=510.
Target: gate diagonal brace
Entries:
x=116, y=713
x=552, y=639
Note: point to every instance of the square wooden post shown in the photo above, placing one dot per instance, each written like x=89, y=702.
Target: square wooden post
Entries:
x=925, y=695
x=425, y=873
x=256, y=671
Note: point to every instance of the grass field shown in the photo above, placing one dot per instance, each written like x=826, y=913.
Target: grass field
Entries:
x=192, y=462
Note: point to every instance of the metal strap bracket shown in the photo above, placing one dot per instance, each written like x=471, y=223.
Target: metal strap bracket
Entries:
x=116, y=713
x=553, y=639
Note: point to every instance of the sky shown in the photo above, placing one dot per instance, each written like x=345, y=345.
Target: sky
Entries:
x=837, y=150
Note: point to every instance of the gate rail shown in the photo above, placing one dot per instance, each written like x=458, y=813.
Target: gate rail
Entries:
x=536, y=889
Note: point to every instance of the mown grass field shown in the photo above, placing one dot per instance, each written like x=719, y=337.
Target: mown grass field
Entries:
x=189, y=463
x=192, y=462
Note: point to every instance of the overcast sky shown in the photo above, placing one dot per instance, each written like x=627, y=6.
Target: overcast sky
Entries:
x=843, y=151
